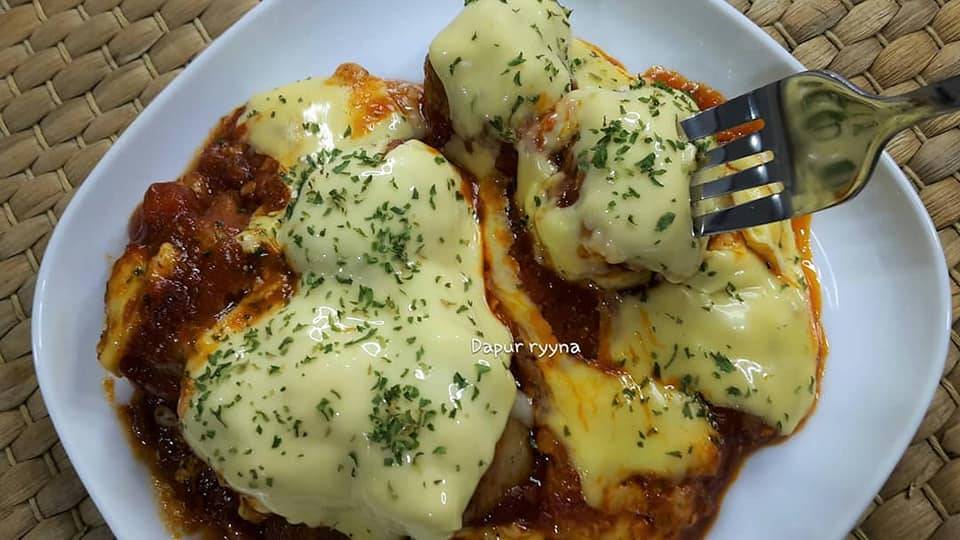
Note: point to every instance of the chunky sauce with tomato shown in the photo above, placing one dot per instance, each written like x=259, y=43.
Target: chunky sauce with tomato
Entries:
x=200, y=215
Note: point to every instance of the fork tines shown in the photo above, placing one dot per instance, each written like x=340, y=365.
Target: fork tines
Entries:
x=762, y=104
x=736, y=149
x=776, y=207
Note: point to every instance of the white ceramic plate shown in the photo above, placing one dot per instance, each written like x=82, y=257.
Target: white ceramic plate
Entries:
x=886, y=306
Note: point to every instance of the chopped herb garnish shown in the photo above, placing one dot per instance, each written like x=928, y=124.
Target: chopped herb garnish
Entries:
x=665, y=221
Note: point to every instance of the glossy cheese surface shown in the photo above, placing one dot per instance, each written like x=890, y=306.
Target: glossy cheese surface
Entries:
x=602, y=185
x=351, y=109
x=592, y=67
x=633, y=166
x=360, y=405
x=617, y=427
x=502, y=64
x=614, y=426
x=739, y=334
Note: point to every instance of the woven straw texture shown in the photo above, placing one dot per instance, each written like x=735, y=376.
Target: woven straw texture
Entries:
x=74, y=74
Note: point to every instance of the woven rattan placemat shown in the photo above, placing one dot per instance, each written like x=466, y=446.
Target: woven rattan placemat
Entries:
x=76, y=72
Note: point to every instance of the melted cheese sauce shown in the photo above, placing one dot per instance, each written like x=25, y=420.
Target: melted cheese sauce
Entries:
x=128, y=279
x=592, y=67
x=740, y=335
x=733, y=326
x=502, y=64
x=616, y=427
x=351, y=109
x=633, y=207
x=360, y=405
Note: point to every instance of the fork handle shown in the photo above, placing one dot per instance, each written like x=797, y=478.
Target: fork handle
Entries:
x=938, y=98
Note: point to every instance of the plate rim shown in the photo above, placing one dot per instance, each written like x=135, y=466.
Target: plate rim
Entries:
x=930, y=236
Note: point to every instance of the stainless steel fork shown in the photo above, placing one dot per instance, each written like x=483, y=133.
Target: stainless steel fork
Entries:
x=824, y=133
